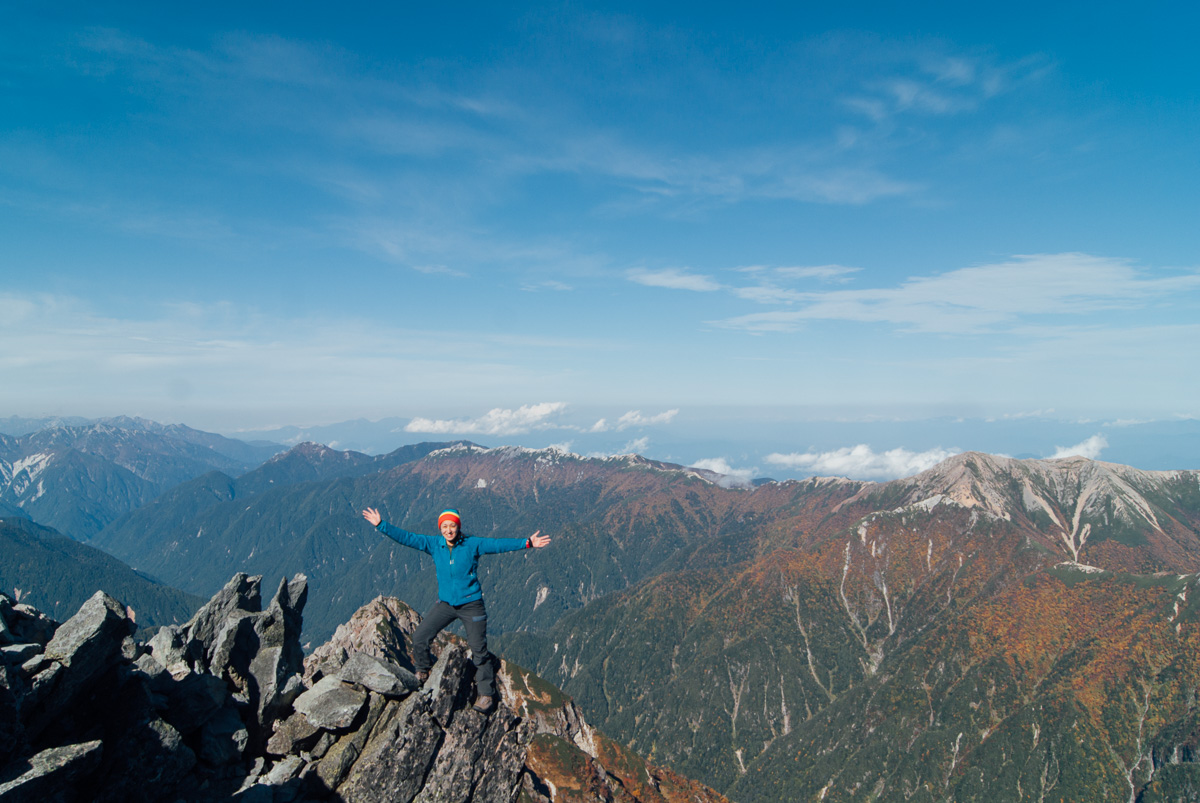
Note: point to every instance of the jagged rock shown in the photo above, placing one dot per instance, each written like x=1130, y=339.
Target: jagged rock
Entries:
x=397, y=756
x=6, y=636
x=27, y=623
x=278, y=663
x=480, y=759
x=12, y=733
x=85, y=647
x=223, y=739
x=144, y=763
x=284, y=771
x=34, y=665
x=378, y=675
x=169, y=648
x=52, y=775
x=17, y=654
x=380, y=628
x=241, y=593
x=338, y=757
x=193, y=700
x=292, y=734
x=92, y=638
x=330, y=704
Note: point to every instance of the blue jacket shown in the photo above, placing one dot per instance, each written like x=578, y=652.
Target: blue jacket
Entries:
x=456, y=567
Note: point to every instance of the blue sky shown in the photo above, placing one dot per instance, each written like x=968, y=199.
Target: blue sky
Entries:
x=713, y=235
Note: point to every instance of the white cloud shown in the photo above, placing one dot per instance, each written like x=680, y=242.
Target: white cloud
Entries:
x=636, y=446
x=634, y=418
x=861, y=462
x=1090, y=448
x=497, y=421
x=731, y=477
x=674, y=279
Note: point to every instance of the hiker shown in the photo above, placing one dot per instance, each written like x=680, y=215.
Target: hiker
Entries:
x=456, y=559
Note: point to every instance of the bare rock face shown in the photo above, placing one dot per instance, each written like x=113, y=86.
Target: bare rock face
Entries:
x=218, y=710
x=381, y=628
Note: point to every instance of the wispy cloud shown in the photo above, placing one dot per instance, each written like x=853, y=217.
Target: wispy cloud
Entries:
x=634, y=418
x=675, y=279
x=862, y=462
x=1090, y=448
x=497, y=421
x=975, y=300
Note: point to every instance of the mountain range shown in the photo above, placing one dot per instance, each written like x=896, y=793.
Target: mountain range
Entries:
x=77, y=479
x=990, y=629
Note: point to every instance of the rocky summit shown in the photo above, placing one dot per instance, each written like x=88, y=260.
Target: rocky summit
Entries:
x=226, y=707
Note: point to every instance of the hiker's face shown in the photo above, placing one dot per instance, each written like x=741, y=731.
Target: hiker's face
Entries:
x=449, y=530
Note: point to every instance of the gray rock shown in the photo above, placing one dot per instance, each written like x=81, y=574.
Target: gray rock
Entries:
x=330, y=704
x=168, y=646
x=284, y=771
x=193, y=700
x=6, y=636
x=377, y=675
x=144, y=764
x=339, y=757
x=34, y=665
x=241, y=593
x=278, y=663
x=223, y=739
x=40, y=687
x=12, y=732
x=27, y=623
x=157, y=673
x=52, y=775
x=92, y=638
x=17, y=654
x=395, y=759
x=293, y=734
x=85, y=646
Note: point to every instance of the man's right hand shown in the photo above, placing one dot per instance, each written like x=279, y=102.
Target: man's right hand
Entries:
x=372, y=516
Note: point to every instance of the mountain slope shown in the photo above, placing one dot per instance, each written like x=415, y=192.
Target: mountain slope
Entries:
x=57, y=574
x=79, y=479
x=847, y=667
x=614, y=522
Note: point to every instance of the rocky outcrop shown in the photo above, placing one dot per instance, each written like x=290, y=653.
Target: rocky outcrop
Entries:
x=225, y=708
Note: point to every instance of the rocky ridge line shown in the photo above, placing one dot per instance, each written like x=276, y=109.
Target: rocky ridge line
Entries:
x=226, y=708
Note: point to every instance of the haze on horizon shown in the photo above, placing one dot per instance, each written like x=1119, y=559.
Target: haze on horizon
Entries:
x=710, y=236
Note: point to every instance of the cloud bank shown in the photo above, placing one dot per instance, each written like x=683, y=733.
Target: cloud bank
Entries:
x=862, y=463
x=1090, y=448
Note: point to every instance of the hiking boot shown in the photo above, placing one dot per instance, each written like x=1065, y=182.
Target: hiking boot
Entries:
x=422, y=676
x=484, y=703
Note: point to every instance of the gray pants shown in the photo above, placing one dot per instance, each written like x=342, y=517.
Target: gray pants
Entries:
x=474, y=618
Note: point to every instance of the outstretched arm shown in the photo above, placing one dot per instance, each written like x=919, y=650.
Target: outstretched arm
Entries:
x=372, y=516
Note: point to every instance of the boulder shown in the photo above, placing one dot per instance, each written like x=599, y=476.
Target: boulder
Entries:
x=6, y=636
x=92, y=639
x=12, y=732
x=82, y=649
x=51, y=776
x=293, y=734
x=241, y=593
x=145, y=763
x=27, y=623
x=193, y=700
x=378, y=675
x=278, y=662
x=330, y=704
x=223, y=739
x=382, y=628
x=17, y=654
